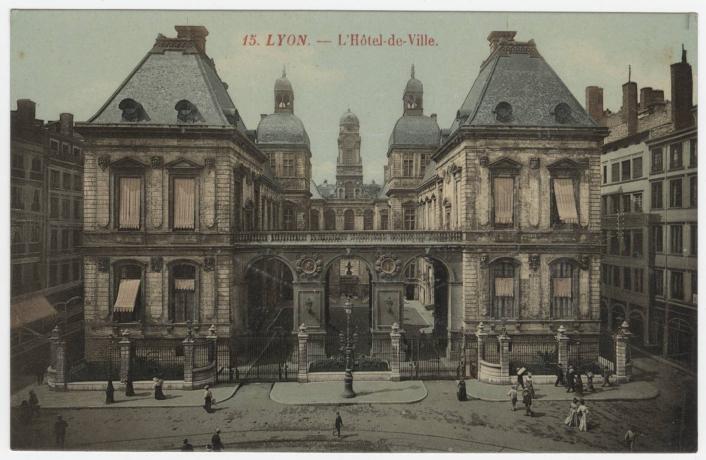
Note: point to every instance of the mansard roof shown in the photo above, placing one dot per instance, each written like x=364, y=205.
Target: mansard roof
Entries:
x=517, y=87
x=174, y=70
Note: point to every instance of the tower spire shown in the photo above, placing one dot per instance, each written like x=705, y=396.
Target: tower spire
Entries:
x=412, y=73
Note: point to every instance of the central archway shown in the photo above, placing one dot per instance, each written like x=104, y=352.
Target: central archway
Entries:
x=270, y=297
x=349, y=277
x=426, y=309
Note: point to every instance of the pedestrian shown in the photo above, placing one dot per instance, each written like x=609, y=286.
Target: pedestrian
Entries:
x=630, y=438
x=33, y=403
x=572, y=419
x=582, y=412
x=606, y=377
x=530, y=384
x=578, y=385
x=338, y=424
x=216, y=441
x=207, y=399
x=589, y=382
x=461, y=391
x=60, y=431
x=109, y=392
x=129, y=389
x=520, y=378
x=570, y=380
x=513, y=396
x=186, y=446
x=157, y=384
x=527, y=401
x=559, y=376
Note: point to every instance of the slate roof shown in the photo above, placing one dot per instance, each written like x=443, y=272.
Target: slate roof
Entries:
x=646, y=120
x=517, y=74
x=282, y=128
x=418, y=130
x=171, y=71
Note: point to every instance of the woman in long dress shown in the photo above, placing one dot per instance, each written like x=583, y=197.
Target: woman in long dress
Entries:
x=572, y=419
x=530, y=384
x=582, y=412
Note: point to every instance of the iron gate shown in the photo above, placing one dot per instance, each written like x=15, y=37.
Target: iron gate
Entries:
x=264, y=358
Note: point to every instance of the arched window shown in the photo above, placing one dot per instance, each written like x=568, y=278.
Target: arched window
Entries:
x=314, y=220
x=503, y=289
x=368, y=219
x=384, y=219
x=289, y=219
x=330, y=219
x=409, y=216
x=127, y=292
x=182, y=293
x=564, y=289
x=349, y=220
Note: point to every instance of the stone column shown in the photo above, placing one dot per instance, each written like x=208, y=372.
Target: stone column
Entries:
x=58, y=369
x=303, y=357
x=125, y=346
x=188, y=344
x=562, y=348
x=395, y=359
x=623, y=366
x=504, y=341
x=481, y=334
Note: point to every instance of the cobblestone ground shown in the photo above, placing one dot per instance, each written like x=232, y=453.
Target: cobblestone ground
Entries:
x=438, y=423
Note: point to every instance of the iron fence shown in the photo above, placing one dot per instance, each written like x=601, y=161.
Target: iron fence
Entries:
x=428, y=356
x=583, y=355
x=163, y=359
x=263, y=358
x=106, y=367
x=539, y=355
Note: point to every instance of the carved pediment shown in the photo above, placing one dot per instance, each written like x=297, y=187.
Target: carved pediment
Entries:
x=505, y=165
x=127, y=163
x=182, y=163
x=565, y=166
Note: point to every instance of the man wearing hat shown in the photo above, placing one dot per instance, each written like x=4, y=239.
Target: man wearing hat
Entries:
x=207, y=399
x=216, y=441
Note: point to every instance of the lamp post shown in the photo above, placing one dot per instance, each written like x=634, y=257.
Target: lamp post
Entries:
x=348, y=377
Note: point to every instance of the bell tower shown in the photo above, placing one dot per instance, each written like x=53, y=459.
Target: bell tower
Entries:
x=284, y=94
x=349, y=166
x=413, y=97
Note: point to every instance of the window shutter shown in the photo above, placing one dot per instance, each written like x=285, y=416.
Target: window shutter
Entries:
x=127, y=295
x=503, y=197
x=565, y=201
x=562, y=287
x=184, y=201
x=504, y=287
x=129, y=215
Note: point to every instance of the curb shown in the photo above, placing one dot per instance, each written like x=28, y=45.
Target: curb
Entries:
x=346, y=402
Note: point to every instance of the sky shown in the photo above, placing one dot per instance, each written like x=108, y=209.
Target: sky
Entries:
x=72, y=61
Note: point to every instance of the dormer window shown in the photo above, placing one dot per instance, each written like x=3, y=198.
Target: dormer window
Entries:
x=187, y=112
x=503, y=112
x=562, y=113
x=133, y=111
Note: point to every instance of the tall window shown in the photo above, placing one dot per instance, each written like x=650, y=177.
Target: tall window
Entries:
x=36, y=171
x=564, y=288
x=502, y=289
x=289, y=222
x=182, y=307
x=657, y=160
x=614, y=245
x=503, y=191
x=693, y=157
x=637, y=202
x=659, y=282
x=694, y=239
x=658, y=238
x=564, y=203
x=676, y=245
x=616, y=276
x=626, y=175
x=626, y=243
x=314, y=220
x=615, y=172
x=605, y=174
x=129, y=203
x=675, y=156
x=67, y=181
x=17, y=198
x=627, y=202
x=184, y=205
x=657, y=194
x=348, y=219
x=237, y=204
x=637, y=243
x=288, y=169
x=639, y=280
x=693, y=191
x=615, y=203
x=54, y=179
x=384, y=219
x=627, y=278
x=425, y=158
x=127, y=293
x=676, y=282
x=636, y=168
x=348, y=190
x=368, y=219
x=330, y=219
x=675, y=196
x=409, y=217
x=408, y=167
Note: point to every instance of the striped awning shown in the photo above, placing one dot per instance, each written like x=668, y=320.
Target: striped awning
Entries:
x=502, y=196
x=184, y=191
x=29, y=310
x=184, y=285
x=129, y=216
x=565, y=201
x=504, y=287
x=127, y=295
x=562, y=287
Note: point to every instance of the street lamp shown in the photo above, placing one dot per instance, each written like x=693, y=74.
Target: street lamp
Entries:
x=348, y=377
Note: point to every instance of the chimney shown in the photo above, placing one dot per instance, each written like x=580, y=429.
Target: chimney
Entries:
x=646, y=96
x=496, y=37
x=657, y=97
x=629, y=110
x=26, y=111
x=195, y=33
x=682, y=93
x=66, y=124
x=594, y=103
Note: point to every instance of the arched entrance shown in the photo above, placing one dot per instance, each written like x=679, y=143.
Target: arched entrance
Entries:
x=348, y=278
x=426, y=308
x=270, y=296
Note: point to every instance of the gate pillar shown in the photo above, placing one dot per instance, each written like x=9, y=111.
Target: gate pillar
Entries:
x=188, y=344
x=125, y=355
x=395, y=359
x=504, y=341
x=56, y=375
x=623, y=367
x=562, y=348
x=303, y=338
